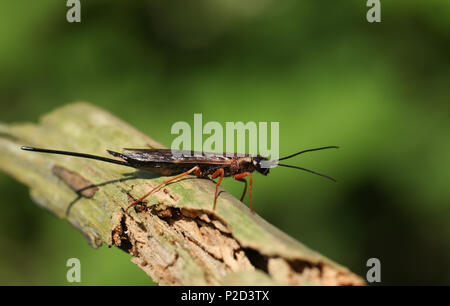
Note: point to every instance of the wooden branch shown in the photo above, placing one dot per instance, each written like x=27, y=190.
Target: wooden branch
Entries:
x=176, y=238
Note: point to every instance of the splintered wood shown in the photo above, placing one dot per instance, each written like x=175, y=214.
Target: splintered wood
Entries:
x=175, y=237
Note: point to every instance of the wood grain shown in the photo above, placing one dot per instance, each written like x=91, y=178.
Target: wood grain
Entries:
x=175, y=238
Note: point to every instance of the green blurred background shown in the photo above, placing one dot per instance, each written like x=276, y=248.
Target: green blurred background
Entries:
x=380, y=91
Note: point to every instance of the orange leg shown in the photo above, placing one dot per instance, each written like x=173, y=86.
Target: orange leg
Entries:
x=213, y=176
x=240, y=177
x=245, y=187
x=196, y=171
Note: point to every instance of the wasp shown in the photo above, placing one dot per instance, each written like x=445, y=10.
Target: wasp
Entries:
x=178, y=163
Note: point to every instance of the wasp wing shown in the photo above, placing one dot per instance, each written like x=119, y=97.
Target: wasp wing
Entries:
x=179, y=156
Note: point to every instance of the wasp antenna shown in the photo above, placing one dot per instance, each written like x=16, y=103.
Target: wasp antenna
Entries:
x=76, y=154
x=310, y=171
x=309, y=150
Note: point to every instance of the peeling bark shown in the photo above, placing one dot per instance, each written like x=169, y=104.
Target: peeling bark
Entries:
x=175, y=237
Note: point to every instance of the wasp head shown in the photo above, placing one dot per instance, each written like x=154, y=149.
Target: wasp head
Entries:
x=261, y=164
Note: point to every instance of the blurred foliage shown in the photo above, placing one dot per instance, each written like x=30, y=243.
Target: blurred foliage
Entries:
x=380, y=91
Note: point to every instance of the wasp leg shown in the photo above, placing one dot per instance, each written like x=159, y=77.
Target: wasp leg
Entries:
x=196, y=171
x=213, y=176
x=245, y=187
x=240, y=177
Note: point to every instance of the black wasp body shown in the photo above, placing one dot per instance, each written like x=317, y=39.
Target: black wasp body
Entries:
x=172, y=162
x=177, y=164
